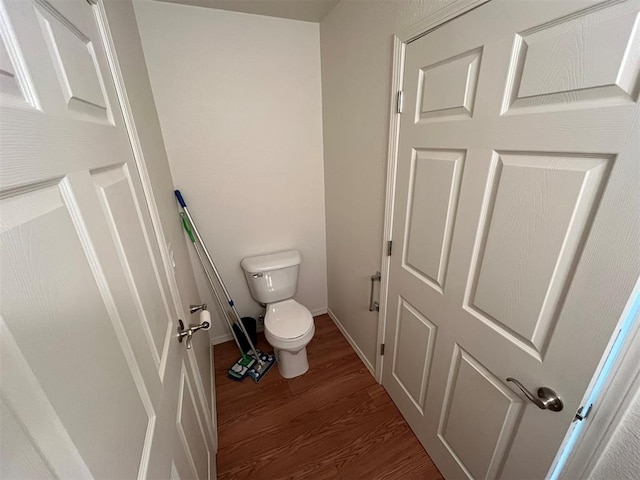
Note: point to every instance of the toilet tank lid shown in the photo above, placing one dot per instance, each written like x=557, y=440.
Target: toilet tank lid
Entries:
x=272, y=261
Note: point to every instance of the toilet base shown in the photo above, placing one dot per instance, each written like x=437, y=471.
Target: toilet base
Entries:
x=292, y=364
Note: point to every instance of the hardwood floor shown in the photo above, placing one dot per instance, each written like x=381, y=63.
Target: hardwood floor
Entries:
x=334, y=422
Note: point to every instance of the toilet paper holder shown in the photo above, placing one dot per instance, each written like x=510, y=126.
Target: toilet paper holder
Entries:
x=197, y=308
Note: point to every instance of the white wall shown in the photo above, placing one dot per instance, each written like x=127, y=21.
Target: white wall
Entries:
x=239, y=101
x=620, y=458
x=356, y=42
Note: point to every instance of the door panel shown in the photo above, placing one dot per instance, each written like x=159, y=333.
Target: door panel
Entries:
x=191, y=430
x=87, y=316
x=516, y=212
x=411, y=364
x=536, y=212
x=116, y=196
x=26, y=405
x=435, y=184
x=446, y=90
x=596, y=64
x=478, y=417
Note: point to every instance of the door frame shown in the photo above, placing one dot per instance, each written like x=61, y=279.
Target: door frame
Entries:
x=611, y=379
x=149, y=199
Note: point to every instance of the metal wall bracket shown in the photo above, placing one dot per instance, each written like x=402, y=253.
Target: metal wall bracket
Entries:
x=373, y=305
x=400, y=101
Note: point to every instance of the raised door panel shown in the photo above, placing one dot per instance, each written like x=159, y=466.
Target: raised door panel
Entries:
x=15, y=87
x=15, y=442
x=25, y=402
x=59, y=65
x=9, y=82
x=479, y=417
x=75, y=64
x=435, y=183
x=192, y=431
x=584, y=60
x=412, y=353
x=537, y=211
x=446, y=90
x=122, y=212
x=59, y=310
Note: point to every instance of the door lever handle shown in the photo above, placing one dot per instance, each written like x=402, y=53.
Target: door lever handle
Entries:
x=188, y=333
x=547, y=399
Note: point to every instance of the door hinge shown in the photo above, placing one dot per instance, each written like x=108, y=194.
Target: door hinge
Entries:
x=389, y=247
x=382, y=349
x=580, y=416
x=399, y=101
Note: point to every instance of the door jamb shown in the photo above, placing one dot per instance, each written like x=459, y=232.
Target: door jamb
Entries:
x=623, y=381
x=400, y=41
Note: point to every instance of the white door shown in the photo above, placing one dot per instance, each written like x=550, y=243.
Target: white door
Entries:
x=94, y=383
x=517, y=226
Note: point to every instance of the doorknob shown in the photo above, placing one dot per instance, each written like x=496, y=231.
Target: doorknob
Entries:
x=193, y=328
x=547, y=399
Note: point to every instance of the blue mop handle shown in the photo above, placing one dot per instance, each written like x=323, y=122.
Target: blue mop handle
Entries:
x=183, y=204
x=180, y=199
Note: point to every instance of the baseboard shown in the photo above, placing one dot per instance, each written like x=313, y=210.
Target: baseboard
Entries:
x=321, y=311
x=352, y=343
x=227, y=337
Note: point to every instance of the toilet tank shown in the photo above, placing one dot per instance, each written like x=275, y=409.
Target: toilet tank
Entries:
x=273, y=277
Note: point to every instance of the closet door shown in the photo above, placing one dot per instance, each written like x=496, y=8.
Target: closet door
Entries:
x=516, y=221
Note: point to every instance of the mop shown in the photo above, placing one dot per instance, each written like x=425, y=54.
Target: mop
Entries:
x=262, y=362
x=240, y=369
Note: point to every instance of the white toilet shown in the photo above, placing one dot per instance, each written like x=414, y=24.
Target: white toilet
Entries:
x=288, y=325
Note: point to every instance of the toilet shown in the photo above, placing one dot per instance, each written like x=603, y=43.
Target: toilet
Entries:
x=288, y=325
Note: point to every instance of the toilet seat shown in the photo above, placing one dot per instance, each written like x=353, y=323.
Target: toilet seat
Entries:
x=288, y=320
x=288, y=325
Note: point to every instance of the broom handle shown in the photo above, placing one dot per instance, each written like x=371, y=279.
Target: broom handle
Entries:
x=183, y=204
x=185, y=224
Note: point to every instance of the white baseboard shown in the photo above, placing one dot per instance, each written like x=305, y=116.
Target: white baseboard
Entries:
x=321, y=311
x=352, y=343
x=227, y=337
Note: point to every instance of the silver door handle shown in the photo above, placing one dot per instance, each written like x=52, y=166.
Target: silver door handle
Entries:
x=547, y=399
x=374, y=306
x=188, y=334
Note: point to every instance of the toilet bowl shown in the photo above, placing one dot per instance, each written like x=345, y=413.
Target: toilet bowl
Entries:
x=288, y=325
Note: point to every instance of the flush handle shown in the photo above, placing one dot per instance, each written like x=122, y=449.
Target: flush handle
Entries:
x=258, y=275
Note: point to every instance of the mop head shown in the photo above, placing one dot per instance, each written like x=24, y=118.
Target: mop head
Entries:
x=259, y=369
x=241, y=368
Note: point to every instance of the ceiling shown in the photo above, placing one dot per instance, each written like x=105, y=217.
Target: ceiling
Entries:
x=307, y=10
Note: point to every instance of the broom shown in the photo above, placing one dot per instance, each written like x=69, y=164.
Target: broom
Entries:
x=263, y=361
x=239, y=370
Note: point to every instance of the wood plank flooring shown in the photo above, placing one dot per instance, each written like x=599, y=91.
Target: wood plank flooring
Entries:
x=334, y=422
